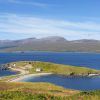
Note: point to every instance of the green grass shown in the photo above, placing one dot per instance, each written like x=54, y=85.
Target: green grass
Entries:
x=43, y=91
x=86, y=95
x=56, y=68
x=28, y=90
x=18, y=95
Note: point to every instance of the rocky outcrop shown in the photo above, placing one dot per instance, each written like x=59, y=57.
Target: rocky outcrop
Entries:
x=4, y=67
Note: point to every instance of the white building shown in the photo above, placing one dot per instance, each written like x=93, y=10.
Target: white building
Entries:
x=38, y=69
x=14, y=65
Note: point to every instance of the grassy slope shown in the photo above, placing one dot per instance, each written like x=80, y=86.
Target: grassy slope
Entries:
x=57, y=68
x=30, y=90
x=43, y=91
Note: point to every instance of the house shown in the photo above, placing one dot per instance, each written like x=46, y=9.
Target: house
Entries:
x=38, y=69
x=14, y=65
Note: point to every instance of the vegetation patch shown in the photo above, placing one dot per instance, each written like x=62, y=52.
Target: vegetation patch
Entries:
x=54, y=68
x=43, y=91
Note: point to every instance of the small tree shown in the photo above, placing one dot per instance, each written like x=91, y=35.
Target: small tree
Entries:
x=72, y=73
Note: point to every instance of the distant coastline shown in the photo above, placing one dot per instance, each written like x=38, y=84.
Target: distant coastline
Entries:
x=49, y=52
x=51, y=43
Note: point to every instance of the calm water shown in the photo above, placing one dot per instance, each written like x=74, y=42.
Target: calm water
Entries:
x=78, y=83
x=91, y=60
x=7, y=73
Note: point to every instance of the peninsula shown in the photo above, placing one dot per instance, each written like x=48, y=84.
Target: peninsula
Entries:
x=37, y=68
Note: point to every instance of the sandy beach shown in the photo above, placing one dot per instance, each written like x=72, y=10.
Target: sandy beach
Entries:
x=25, y=74
x=19, y=78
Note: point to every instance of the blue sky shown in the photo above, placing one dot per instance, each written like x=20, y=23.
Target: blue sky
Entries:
x=72, y=19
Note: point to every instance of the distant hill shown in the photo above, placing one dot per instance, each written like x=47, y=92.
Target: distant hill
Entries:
x=51, y=43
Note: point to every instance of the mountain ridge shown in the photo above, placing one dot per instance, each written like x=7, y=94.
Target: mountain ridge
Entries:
x=51, y=43
x=48, y=38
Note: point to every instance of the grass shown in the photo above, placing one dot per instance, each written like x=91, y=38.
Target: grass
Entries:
x=37, y=88
x=56, y=68
x=43, y=91
x=86, y=95
x=18, y=95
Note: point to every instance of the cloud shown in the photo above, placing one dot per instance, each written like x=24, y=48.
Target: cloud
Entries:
x=40, y=27
x=32, y=3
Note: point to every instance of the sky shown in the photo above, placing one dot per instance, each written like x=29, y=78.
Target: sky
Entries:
x=72, y=19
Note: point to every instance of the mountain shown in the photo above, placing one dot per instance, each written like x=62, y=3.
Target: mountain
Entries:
x=86, y=41
x=51, y=43
x=4, y=43
x=53, y=39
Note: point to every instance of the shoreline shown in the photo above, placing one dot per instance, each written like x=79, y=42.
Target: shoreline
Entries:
x=19, y=78
x=94, y=52
x=25, y=76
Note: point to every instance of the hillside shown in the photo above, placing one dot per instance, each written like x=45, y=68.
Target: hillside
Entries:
x=43, y=91
x=53, y=43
